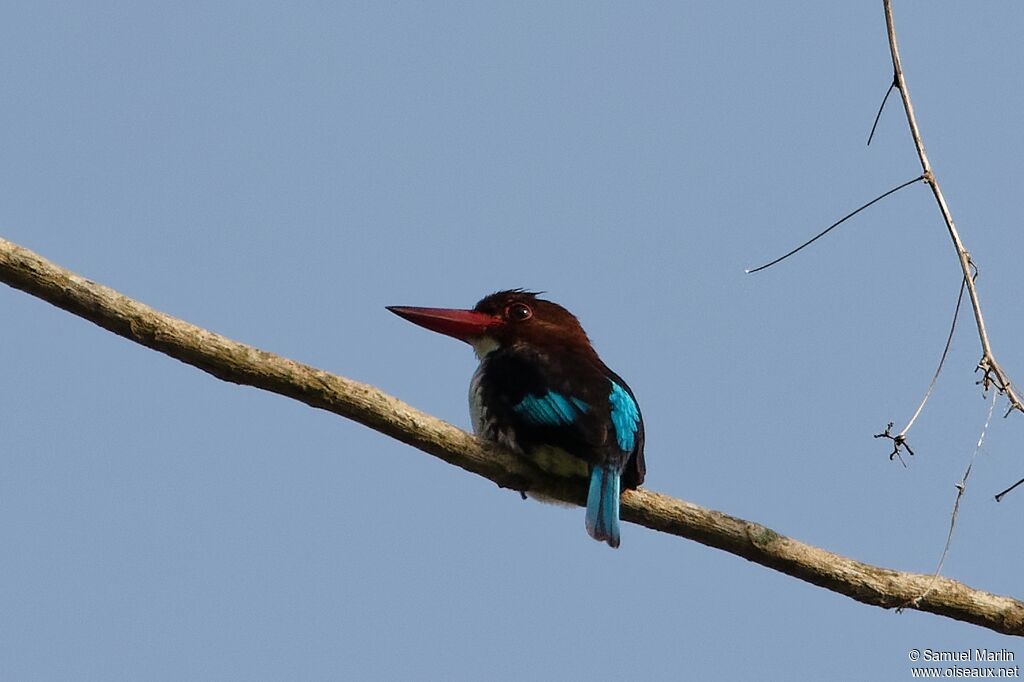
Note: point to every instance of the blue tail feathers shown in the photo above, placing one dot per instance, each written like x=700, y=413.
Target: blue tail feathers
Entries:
x=603, y=505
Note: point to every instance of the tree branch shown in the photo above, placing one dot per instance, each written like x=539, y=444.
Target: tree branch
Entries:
x=993, y=374
x=242, y=364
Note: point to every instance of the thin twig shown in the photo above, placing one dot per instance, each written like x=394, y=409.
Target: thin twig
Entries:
x=899, y=440
x=241, y=364
x=899, y=443
x=942, y=360
x=885, y=99
x=961, y=487
x=993, y=372
x=835, y=225
x=999, y=497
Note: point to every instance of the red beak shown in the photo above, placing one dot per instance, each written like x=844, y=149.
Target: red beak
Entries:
x=461, y=324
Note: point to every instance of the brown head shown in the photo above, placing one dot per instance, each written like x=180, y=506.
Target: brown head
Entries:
x=505, y=318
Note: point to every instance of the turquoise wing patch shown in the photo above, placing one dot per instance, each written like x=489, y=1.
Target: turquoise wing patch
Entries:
x=625, y=417
x=551, y=409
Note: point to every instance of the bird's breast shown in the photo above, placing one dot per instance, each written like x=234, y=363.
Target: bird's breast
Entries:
x=488, y=426
x=485, y=424
x=557, y=461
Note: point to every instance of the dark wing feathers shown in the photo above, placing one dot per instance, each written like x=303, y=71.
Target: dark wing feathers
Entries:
x=568, y=403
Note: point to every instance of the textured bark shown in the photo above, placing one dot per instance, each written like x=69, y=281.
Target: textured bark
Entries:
x=241, y=364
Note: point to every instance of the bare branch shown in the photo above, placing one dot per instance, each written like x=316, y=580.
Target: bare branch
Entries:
x=942, y=361
x=899, y=440
x=899, y=443
x=999, y=497
x=835, y=225
x=993, y=374
x=881, y=108
x=238, y=363
x=961, y=488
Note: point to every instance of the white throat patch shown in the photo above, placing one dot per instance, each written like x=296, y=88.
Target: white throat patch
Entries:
x=484, y=345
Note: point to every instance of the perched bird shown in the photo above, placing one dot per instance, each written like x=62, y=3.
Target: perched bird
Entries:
x=542, y=391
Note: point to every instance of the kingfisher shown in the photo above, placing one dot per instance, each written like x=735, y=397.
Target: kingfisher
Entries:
x=542, y=391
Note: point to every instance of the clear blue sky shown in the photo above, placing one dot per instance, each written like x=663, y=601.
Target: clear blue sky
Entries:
x=280, y=173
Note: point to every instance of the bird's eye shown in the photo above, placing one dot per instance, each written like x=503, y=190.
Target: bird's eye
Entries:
x=518, y=312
